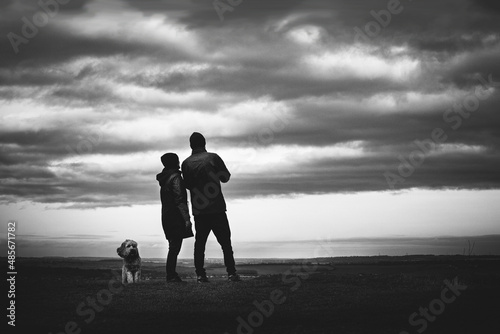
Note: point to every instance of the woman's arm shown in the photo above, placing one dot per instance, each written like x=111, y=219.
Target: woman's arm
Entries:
x=180, y=197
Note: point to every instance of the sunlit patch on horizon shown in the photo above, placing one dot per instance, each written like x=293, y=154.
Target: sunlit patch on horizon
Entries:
x=284, y=158
x=305, y=34
x=459, y=148
x=351, y=61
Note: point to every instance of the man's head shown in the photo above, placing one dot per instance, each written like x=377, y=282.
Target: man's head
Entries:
x=197, y=141
x=170, y=160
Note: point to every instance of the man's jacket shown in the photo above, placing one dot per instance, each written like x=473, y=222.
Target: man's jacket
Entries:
x=203, y=172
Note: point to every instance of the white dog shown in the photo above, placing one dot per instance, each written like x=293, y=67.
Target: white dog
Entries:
x=131, y=270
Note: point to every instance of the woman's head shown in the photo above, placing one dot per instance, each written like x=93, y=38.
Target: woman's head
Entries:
x=170, y=161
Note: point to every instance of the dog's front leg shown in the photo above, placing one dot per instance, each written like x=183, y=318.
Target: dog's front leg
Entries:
x=130, y=277
x=137, y=276
x=124, y=275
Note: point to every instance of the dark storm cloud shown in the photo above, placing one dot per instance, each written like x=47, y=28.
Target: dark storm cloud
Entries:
x=326, y=124
x=199, y=13
x=488, y=5
x=249, y=56
x=34, y=174
x=263, y=81
x=51, y=47
x=484, y=63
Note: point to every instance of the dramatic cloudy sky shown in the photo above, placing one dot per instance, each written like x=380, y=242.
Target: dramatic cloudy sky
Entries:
x=316, y=121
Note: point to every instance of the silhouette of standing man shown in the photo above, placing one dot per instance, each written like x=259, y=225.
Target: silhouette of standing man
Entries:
x=203, y=172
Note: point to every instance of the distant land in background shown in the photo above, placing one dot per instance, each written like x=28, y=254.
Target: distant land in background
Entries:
x=473, y=245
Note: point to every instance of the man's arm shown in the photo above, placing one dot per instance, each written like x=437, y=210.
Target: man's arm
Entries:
x=186, y=176
x=222, y=171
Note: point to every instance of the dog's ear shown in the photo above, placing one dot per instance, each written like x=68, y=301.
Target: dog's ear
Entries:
x=120, y=249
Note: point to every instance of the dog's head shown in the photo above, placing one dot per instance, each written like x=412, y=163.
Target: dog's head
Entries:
x=128, y=249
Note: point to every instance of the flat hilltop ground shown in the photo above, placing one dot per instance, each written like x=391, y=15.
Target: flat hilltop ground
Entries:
x=441, y=294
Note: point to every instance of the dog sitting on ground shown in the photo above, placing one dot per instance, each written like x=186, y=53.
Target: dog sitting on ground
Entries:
x=131, y=270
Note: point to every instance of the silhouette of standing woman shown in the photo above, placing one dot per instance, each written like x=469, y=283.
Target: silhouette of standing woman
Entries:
x=174, y=212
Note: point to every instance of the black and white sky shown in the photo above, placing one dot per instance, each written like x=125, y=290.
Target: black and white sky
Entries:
x=307, y=102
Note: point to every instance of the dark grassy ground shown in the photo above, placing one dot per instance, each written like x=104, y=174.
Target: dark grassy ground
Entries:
x=356, y=295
